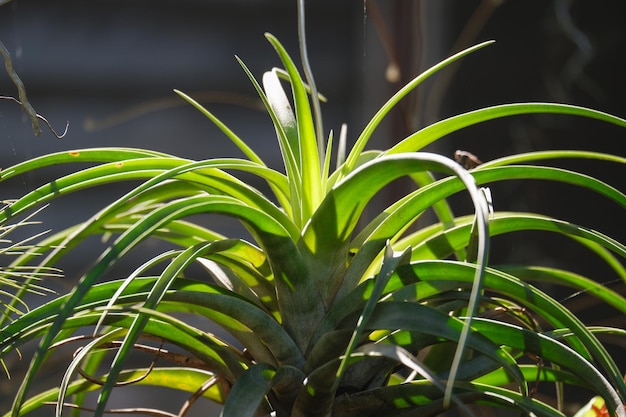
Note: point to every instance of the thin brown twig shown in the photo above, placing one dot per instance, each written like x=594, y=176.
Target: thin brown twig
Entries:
x=23, y=99
x=199, y=392
x=21, y=90
x=123, y=383
x=39, y=117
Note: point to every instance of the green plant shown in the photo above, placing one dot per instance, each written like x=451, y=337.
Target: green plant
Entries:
x=17, y=280
x=331, y=307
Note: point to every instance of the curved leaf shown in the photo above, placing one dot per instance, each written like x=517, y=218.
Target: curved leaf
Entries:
x=553, y=351
x=203, y=173
x=569, y=279
x=289, y=276
x=435, y=243
x=532, y=373
x=79, y=156
x=423, y=399
x=545, y=155
x=325, y=238
x=363, y=138
x=431, y=133
x=526, y=295
x=243, y=147
x=157, y=292
x=391, y=261
x=37, y=322
x=417, y=317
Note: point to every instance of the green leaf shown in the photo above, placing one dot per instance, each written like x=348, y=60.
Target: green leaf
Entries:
x=156, y=170
x=553, y=351
x=422, y=398
x=76, y=361
x=78, y=156
x=411, y=362
x=362, y=140
x=184, y=378
x=435, y=243
x=38, y=321
x=287, y=273
x=281, y=107
x=247, y=394
x=266, y=340
x=431, y=133
x=391, y=316
x=393, y=220
x=294, y=176
x=391, y=261
x=243, y=146
x=584, y=342
x=547, y=155
x=394, y=315
x=309, y=157
x=325, y=239
x=568, y=279
x=531, y=373
x=161, y=286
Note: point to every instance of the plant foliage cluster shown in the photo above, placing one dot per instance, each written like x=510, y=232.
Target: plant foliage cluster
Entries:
x=332, y=312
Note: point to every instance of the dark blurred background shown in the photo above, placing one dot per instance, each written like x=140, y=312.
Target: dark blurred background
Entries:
x=109, y=67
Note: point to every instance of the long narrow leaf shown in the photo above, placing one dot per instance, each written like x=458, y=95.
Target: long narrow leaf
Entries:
x=294, y=176
x=442, y=242
x=536, y=156
x=567, y=278
x=76, y=361
x=391, y=261
x=431, y=133
x=309, y=156
x=229, y=133
x=359, y=146
x=79, y=156
x=271, y=231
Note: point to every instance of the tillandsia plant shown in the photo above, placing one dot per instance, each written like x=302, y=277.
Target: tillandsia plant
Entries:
x=331, y=312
